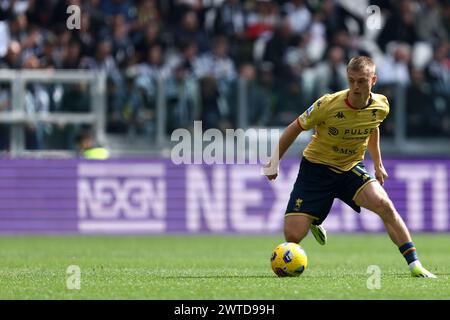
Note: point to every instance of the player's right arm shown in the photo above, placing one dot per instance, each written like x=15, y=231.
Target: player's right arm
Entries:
x=306, y=121
x=287, y=138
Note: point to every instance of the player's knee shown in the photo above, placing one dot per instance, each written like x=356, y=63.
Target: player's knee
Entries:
x=293, y=235
x=296, y=228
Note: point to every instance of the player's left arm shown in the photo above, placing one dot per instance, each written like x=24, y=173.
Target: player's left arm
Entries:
x=375, y=153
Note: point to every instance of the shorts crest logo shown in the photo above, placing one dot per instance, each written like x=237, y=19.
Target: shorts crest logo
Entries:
x=298, y=204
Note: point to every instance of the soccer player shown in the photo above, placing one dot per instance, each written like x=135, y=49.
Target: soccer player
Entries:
x=346, y=125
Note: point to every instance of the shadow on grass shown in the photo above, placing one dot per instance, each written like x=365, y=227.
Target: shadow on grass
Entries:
x=218, y=277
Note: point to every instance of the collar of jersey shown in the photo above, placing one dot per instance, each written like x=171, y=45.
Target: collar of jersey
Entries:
x=347, y=102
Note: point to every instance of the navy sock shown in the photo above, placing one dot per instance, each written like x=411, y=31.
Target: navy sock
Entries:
x=409, y=252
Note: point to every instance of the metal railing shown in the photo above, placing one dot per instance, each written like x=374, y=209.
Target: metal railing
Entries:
x=397, y=142
x=18, y=116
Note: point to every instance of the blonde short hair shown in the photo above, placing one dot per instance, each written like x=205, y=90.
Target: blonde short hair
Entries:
x=361, y=63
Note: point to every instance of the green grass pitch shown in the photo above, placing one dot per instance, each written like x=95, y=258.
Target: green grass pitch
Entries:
x=216, y=267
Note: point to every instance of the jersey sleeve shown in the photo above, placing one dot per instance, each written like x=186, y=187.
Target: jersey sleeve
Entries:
x=313, y=115
x=386, y=107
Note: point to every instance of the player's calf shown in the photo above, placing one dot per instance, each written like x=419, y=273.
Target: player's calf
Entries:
x=375, y=198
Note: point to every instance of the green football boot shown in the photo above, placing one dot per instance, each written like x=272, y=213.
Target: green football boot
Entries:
x=420, y=272
x=319, y=233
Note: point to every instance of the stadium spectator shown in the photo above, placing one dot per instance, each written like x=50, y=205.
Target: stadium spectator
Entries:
x=5, y=106
x=9, y=8
x=231, y=22
x=5, y=97
x=445, y=13
x=263, y=19
x=231, y=19
x=190, y=30
x=190, y=4
x=336, y=17
x=290, y=101
x=400, y=26
x=421, y=122
x=352, y=46
x=298, y=15
x=155, y=65
x=117, y=7
x=71, y=55
x=276, y=47
x=37, y=100
x=396, y=64
x=296, y=56
x=150, y=36
x=49, y=56
x=187, y=57
x=331, y=75
x=86, y=36
x=92, y=11
x=182, y=87
x=139, y=94
x=211, y=114
x=182, y=97
x=13, y=58
x=122, y=46
x=438, y=70
x=147, y=12
x=103, y=60
x=137, y=107
x=438, y=75
x=316, y=38
x=258, y=106
x=183, y=41
x=18, y=30
x=268, y=90
x=117, y=116
x=216, y=63
x=429, y=22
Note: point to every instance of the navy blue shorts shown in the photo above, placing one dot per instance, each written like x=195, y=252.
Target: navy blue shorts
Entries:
x=317, y=186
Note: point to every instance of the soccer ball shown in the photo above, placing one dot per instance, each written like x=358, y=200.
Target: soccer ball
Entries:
x=289, y=260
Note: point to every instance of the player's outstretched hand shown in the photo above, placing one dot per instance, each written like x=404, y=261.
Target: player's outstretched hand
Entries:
x=270, y=171
x=381, y=174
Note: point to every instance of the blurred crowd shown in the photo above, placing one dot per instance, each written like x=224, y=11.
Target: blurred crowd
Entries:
x=289, y=52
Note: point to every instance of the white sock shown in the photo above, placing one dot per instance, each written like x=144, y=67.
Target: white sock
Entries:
x=414, y=264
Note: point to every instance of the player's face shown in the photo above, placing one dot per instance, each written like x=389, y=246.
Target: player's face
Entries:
x=361, y=82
